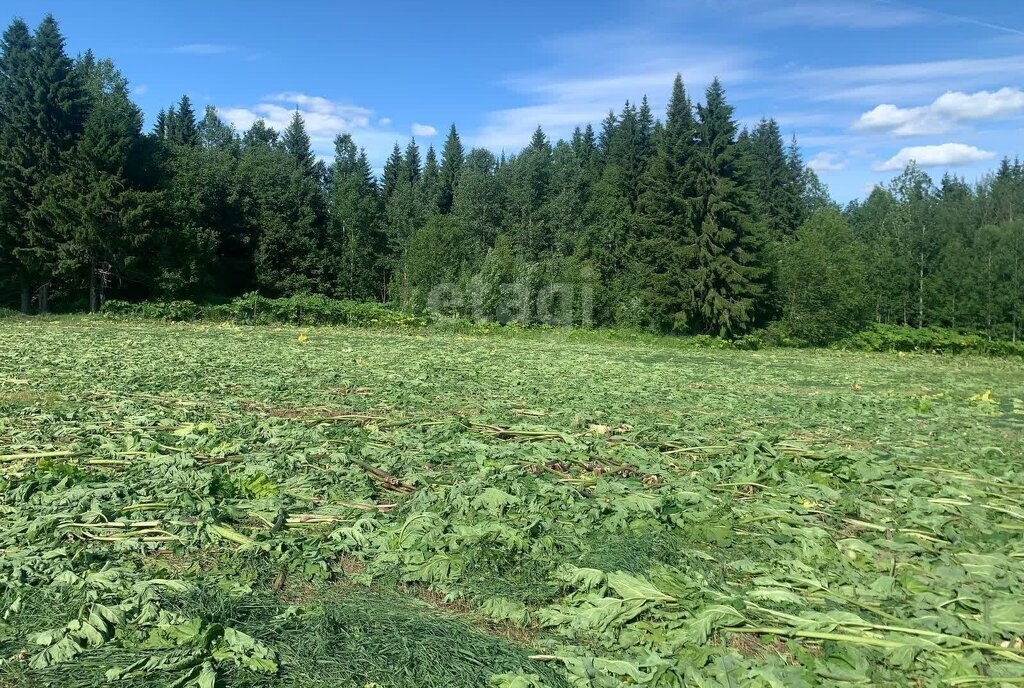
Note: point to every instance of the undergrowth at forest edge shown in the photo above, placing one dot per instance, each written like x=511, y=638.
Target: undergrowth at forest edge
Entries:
x=203, y=504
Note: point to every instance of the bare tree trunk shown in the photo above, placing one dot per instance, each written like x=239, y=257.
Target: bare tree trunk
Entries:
x=26, y=297
x=93, y=296
x=988, y=308
x=920, y=293
x=44, y=299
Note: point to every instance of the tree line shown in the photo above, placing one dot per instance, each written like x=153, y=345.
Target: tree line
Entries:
x=686, y=223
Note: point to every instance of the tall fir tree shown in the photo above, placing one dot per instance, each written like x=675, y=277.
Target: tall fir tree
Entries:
x=452, y=158
x=57, y=106
x=725, y=273
x=182, y=126
x=666, y=220
x=529, y=178
x=291, y=256
x=17, y=162
x=356, y=241
x=392, y=170
x=99, y=204
x=431, y=182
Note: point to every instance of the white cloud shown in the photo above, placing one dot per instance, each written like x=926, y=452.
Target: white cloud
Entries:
x=826, y=161
x=918, y=121
x=203, y=49
x=943, y=114
x=942, y=155
x=980, y=105
x=140, y=89
x=384, y=122
x=422, y=129
x=324, y=119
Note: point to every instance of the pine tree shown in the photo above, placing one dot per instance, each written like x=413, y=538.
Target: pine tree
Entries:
x=452, y=157
x=725, y=276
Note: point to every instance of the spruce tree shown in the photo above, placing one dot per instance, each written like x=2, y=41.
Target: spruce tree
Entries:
x=356, y=242
x=452, y=157
x=16, y=160
x=183, y=127
x=480, y=200
x=98, y=205
x=392, y=170
x=666, y=223
x=725, y=275
x=57, y=108
x=529, y=177
x=775, y=182
x=411, y=165
x=160, y=126
x=569, y=194
x=431, y=182
x=291, y=253
x=297, y=144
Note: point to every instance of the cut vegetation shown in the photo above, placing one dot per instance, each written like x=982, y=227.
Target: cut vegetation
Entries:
x=208, y=504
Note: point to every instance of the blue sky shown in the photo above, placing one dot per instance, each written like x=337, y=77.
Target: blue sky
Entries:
x=864, y=84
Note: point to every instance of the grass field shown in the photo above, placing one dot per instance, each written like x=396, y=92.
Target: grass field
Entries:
x=232, y=506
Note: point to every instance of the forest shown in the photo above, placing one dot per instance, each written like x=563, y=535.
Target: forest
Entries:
x=686, y=223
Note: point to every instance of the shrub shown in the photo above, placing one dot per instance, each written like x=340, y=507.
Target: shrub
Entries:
x=253, y=309
x=880, y=337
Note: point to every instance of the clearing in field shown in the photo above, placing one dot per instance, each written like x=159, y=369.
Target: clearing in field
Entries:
x=215, y=505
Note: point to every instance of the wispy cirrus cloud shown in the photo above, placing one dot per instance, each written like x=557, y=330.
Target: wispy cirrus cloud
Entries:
x=944, y=113
x=846, y=14
x=941, y=155
x=589, y=73
x=899, y=81
x=958, y=18
x=203, y=49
